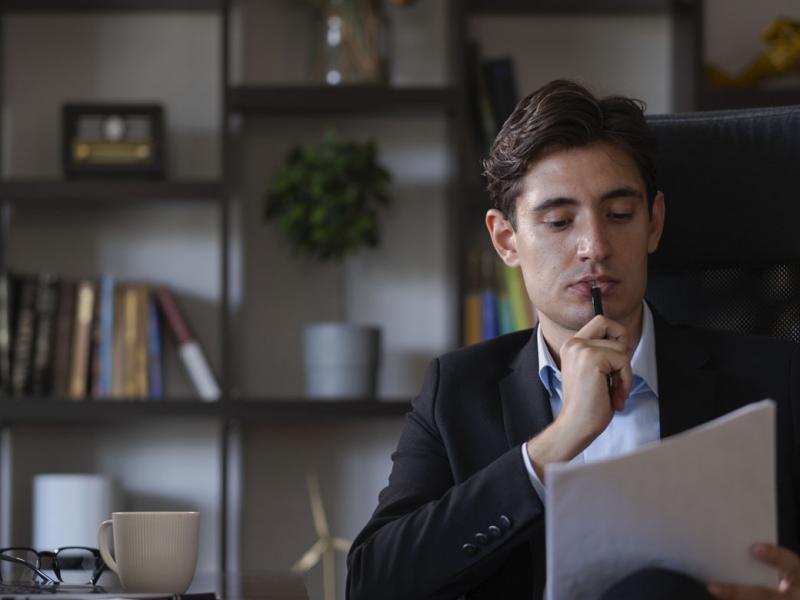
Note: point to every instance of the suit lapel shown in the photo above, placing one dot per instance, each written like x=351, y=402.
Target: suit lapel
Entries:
x=526, y=405
x=686, y=390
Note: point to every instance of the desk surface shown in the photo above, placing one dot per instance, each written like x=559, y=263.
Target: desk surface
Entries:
x=251, y=586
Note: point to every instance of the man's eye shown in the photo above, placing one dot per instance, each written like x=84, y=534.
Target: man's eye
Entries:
x=620, y=216
x=559, y=224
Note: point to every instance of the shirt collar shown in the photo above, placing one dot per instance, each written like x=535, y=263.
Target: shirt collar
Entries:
x=643, y=362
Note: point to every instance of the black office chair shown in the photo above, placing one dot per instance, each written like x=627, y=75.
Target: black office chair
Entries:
x=730, y=254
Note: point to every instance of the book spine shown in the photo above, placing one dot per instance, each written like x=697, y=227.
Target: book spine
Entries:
x=23, y=338
x=141, y=367
x=196, y=365
x=63, y=338
x=45, y=328
x=155, y=368
x=5, y=333
x=105, y=348
x=517, y=298
x=489, y=325
x=188, y=349
x=82, y=338
x=131, y=318
x=118, y=351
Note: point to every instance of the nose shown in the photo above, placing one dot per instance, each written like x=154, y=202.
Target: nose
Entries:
x=593, y=242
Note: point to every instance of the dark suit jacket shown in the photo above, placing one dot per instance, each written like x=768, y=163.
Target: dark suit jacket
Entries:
x=458, y=469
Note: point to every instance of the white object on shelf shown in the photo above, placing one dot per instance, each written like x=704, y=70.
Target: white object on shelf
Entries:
x=68, y=508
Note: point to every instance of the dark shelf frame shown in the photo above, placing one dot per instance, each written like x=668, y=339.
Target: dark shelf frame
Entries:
x=110, y=192
x=569, y=7
x=48, y=411
x=33, y=6
x=338, y=100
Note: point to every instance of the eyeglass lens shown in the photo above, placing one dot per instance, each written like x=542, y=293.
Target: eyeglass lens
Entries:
x=13, y=572
x=75, y=566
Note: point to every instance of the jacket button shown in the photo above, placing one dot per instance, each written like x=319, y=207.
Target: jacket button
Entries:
x=505, y=523
x=470, y=549
x=494, y=532
x=481, y=539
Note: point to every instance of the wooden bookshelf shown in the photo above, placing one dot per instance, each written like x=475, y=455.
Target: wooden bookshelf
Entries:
x=41, y=411
x=106, y=192
x=32, y=6
x=348, y=100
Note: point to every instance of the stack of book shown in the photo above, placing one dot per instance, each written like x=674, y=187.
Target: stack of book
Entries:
x=91, y=339
x=495, y=302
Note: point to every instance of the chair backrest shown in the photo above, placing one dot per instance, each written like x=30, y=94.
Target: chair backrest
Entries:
x=730, y=254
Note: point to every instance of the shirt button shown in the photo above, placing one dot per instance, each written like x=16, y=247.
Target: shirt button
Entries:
x=470, y=549
x=481, y=539
x=494, y=532
x=505, y=523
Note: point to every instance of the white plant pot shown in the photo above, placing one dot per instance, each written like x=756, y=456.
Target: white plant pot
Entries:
x=341, y=360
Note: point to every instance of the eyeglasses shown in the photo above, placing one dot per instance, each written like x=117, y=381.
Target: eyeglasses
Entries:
x=75, y=565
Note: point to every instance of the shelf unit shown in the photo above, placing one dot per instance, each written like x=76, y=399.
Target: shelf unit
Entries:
x=447, y=101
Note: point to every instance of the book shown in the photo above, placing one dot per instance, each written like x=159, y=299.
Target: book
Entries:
x=5, y=333
x=135, y=341
x=118, y=344
x=190, y=352
x=518, y=298
x=23, y=337
x=46, y=302
x=490, y=326
x=62, y=344
x=81, y=340
x=155, y=367
x=105, y=343
x=472, y=301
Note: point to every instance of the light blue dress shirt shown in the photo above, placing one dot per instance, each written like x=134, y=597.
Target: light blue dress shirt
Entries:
x=638, y=424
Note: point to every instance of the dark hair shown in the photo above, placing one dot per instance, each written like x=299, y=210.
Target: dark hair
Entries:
x=565, y=114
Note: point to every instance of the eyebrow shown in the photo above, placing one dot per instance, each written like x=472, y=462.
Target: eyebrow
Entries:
x=557, y=201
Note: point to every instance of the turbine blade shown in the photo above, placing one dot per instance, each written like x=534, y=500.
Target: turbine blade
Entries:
x=317, y=509
x=310, y=558
x=341, y=544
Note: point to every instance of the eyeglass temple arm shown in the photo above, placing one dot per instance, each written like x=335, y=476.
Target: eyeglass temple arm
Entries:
x=25, y=563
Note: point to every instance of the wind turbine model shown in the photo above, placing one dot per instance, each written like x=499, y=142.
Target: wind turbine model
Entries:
x=325, y=547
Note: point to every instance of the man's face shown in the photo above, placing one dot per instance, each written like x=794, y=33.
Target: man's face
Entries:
x=582, y=216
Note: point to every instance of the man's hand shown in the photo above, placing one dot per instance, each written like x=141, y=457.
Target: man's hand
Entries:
x=598, y=351
x=787, y=564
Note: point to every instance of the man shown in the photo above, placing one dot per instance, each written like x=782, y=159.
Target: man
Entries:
x=572, y=182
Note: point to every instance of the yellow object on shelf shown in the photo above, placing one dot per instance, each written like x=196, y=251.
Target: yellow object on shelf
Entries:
x=781, y=54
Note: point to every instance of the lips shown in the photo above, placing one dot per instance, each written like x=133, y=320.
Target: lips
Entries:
x=584, y=286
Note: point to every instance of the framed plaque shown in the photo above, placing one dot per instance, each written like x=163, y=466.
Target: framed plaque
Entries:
x=113, y=141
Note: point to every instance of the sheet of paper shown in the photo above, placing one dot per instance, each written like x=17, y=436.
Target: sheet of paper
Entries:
x=694, y=502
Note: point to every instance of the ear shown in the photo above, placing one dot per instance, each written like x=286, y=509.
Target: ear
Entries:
x=503, y=237
x=656, y=223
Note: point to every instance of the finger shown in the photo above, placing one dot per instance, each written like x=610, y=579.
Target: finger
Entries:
x=623, y=380
x=727, y=591
x=786, y=561
x=602, y=327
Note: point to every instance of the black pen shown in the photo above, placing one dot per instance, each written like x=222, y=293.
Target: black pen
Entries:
x=597, y=305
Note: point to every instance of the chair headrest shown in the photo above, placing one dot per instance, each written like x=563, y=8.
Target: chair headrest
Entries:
x=730, y=181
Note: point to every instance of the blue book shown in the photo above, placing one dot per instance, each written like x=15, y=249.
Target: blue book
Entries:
x=155, y=375
x=489, y=325
x=105, y=347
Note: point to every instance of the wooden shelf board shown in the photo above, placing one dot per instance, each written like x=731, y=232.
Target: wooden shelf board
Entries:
x=49, y=411
x=352, y=100
x=49, y=191
x=308, y=407
x=30, y=6
x=569, y=7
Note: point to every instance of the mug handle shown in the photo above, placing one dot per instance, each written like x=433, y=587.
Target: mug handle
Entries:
x=102, y=544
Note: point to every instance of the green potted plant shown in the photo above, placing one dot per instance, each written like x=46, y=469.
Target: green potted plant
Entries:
x=326, y=201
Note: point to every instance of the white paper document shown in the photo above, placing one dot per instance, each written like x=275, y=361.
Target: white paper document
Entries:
x=694, y=502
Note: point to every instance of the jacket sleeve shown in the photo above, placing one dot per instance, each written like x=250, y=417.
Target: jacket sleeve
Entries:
x=421, y=541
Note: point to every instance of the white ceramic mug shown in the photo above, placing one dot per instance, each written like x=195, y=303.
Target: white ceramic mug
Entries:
x=155, y=551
